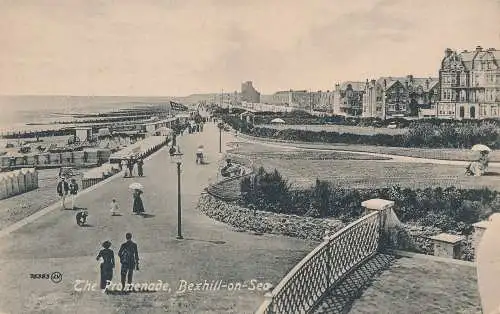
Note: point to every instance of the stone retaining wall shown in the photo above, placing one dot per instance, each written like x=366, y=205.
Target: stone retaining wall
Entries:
x=267, y=222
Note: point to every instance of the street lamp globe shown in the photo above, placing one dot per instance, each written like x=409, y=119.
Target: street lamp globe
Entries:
x=177, y=158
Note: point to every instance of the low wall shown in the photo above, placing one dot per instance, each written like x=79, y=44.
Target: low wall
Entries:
x=228, y=189
x=96, y=175
x=267, y=222
x=18, y=182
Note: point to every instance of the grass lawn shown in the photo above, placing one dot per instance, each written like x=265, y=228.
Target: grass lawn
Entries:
x=417, y=285
x=302, y=168
x=433, y=153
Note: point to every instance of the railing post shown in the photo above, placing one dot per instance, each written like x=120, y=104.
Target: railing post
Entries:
x=384, y=208
x=268, y=296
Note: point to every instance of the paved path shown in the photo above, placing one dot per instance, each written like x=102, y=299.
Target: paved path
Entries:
x=210, y=250
x=326, y=147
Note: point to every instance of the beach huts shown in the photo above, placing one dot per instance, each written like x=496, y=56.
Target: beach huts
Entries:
x=87, y=157
x=18, y=182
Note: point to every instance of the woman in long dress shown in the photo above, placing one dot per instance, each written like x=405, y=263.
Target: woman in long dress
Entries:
x=138, y=206
x=107, y=265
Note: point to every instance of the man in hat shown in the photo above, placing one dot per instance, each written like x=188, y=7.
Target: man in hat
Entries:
x=129, y=260
x=62, y=190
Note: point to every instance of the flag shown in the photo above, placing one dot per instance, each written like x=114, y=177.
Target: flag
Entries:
x=178, y=106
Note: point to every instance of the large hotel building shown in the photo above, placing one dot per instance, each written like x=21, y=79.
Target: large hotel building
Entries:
x=470, y=84
x=468, y=87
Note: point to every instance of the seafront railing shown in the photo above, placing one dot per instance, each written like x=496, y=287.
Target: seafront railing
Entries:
x=324, y=267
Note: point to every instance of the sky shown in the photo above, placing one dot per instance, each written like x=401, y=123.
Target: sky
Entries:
x=180, y=47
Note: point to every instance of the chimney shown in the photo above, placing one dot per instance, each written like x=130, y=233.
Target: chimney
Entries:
x=385, y=83
x=372, y=82
x=427, y=84
x=409, y=78
x=448, y=52
x=479, y=48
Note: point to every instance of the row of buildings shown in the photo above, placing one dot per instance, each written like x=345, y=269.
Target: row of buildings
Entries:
x=468, y=86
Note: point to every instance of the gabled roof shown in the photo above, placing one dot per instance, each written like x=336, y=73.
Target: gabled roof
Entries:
x=467, y=58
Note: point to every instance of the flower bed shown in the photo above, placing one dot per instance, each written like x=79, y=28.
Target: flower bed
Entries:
x=267, y=222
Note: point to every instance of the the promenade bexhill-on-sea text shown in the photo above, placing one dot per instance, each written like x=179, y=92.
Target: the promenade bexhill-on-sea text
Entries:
x=182, y=286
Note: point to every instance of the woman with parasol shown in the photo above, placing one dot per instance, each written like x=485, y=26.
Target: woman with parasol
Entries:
x=138, y=206
x=478, y=167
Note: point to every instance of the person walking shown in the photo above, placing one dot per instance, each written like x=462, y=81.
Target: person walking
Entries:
x=130, y=166
x=140, y=164
x=124, y=167
x=138, y=206
x=107, y=265
x=129, y=260
x=62, y=190
x=199, y=155
x=73, y=191
x=172, y=151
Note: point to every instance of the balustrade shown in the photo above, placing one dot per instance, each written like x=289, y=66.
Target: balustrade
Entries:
x=325, y=266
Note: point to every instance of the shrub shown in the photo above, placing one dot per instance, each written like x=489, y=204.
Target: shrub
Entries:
x=421, y=133
x=450, y=209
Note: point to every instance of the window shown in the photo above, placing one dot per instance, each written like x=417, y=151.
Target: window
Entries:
x=482, y=110
x=494, y=111
x=462, y=95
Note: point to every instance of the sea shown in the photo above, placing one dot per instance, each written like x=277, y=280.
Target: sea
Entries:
x=18, y=111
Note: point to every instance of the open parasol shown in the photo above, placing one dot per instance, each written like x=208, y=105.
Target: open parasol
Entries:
x=277, y=120
x=136, y=186
x=480, y=148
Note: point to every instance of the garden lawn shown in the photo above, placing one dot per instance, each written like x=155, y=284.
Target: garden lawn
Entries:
x=302, y=168
x=431, y=153
x=419, y=285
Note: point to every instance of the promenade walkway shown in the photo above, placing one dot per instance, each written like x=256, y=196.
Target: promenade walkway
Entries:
x=210, y=250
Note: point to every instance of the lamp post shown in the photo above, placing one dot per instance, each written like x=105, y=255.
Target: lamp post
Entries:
x=178, y=161
x=220, y=125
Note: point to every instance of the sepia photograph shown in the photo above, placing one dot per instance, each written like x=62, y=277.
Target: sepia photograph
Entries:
x=250, y=156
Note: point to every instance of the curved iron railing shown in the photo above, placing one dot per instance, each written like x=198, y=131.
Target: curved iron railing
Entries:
x=324, y=267
x=219, y=189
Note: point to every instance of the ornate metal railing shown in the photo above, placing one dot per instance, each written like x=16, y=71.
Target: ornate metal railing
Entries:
x=329, y=263
x=224, y=189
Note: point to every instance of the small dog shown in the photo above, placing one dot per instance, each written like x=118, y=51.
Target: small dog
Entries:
x=81, y=218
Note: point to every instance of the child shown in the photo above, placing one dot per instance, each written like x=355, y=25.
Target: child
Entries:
x=114, y=208
x=81, y=218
